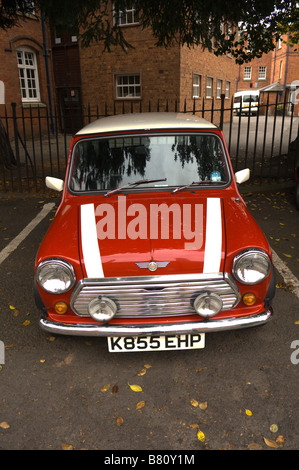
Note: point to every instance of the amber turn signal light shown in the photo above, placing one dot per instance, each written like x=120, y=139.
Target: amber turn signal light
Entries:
x=249, y=298
x=60, y=307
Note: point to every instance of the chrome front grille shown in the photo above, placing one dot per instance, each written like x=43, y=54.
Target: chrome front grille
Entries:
x=154, y=295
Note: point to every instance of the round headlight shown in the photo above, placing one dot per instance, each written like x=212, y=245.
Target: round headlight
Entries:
x=55, y=276
x=207, y=304
x=102, y=308
x=251, y=266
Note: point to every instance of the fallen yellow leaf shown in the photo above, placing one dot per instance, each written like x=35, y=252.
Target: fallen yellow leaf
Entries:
x=254, y=446
x=288, y=256
x=12, y=307
x=135, y=388
x=270, y=443
x=280, y=439
x=26, y=323
x=200, y=436
x=120, y=421
x=67, y=447
x=194, y=402
x=248, y=412
x=105, y=388
x=203, y=405
x=194, y=426
x=4, y=425
x=273, y=428
x=141, y=372
x=140, y=405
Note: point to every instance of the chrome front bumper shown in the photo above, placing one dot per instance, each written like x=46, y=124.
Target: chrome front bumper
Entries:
x=157, y=329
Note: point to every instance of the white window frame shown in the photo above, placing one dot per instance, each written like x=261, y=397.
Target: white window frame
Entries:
x=28, y=75
x=247, y=72
x=125, y=18
x=227, y=90
x=262, y=72
x=209, y=87
x=218, y=88
x=280, y=69
x=128, y=86
x=196, y=86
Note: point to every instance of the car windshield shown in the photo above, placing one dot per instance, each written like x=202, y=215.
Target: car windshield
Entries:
x=163, y=160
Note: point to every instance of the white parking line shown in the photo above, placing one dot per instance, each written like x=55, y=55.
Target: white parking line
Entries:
x=23, y=234
x=286, y=273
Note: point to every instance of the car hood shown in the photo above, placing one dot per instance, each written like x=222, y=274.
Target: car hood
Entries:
x=123, y=235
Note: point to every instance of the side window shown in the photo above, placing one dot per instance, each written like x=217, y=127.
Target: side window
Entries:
x=28, y=74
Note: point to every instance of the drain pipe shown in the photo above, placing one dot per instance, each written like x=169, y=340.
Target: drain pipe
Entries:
x=47, y=72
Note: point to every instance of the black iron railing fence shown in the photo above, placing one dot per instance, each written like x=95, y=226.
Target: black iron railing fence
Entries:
x=35, y=144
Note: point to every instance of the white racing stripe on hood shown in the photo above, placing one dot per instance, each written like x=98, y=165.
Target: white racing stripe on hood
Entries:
x=212, y=259
x=89, y=241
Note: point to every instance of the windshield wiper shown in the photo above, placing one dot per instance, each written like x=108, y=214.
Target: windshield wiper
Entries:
x=180, y=188
x=135, y=183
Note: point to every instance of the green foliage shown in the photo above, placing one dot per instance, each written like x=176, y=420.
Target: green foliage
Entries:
x=213, y=24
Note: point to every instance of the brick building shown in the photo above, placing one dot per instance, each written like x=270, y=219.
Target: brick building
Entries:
x=25, y=68
x=170, y=78
x=45, y=69
x=275, y=74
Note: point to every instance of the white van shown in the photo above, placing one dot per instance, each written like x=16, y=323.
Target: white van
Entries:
x=246, y=100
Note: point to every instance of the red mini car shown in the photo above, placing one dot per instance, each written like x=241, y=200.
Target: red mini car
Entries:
x=152, y=245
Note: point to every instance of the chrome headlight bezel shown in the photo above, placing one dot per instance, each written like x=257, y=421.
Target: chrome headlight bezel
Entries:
x=256, y=265
x=56, y=270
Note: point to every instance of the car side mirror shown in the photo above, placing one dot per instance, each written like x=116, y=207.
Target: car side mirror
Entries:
x=242, y=176
x=54, y=183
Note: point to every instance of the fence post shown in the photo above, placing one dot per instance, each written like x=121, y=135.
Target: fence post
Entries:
x=15, y=128
x=222, y=110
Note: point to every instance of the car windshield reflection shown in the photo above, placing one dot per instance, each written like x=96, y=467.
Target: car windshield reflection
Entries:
x=111, y=163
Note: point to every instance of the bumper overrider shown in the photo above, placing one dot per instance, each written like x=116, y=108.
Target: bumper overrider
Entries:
x=157, y=329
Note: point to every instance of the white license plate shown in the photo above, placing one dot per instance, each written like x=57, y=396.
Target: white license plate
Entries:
x=155, y=343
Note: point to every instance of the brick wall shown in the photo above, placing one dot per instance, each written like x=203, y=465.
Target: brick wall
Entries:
x=254, y=81
x=206, y=65
x=158, y=69
x=28, y=34
x=166, y=74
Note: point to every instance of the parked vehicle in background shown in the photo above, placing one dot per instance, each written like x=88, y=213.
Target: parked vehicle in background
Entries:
x=246, y=101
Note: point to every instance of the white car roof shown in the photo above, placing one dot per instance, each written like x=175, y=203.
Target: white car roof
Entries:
x=146, y=121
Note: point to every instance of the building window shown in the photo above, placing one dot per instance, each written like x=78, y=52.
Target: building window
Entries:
x=227, y=89
x=196, y=86
x=219, y=88
x=280, y=70
x=262, y=72
x=28, y=75
x=247, y=72
x=126, y=17
x=209, y=87
x=128, y=86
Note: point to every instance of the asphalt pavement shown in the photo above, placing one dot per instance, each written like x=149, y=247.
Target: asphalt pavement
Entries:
x=56, y=392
